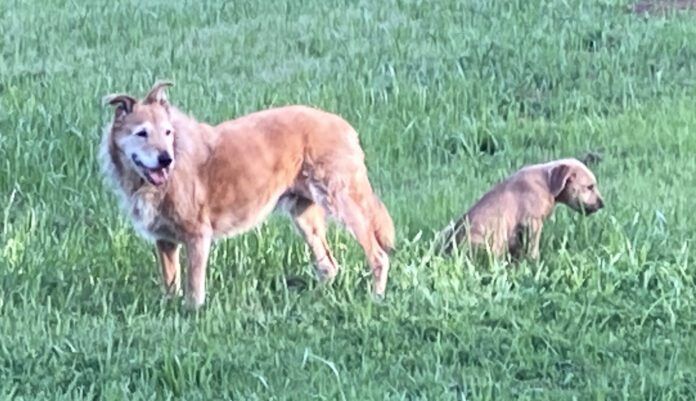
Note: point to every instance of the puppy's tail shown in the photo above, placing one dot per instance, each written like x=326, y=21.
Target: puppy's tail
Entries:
x=451, y=236
x=383, y=226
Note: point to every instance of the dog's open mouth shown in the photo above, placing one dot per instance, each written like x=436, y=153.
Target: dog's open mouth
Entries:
x=156, y=176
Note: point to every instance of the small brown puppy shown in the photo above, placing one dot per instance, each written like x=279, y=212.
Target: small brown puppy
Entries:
x=511, y=215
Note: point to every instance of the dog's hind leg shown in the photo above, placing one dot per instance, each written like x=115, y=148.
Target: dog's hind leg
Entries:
x=168, y=255
x=310, y=220
x=356, y=209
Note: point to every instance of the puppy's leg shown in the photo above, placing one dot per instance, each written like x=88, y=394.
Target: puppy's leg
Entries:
x=310, y=219
x=197, y=250
x=168, y=255
x=534, y=228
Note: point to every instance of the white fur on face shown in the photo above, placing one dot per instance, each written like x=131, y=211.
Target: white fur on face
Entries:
x=147, y=149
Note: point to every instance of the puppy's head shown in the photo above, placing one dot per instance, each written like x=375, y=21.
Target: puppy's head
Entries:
x=142, y=135
x=573, y=184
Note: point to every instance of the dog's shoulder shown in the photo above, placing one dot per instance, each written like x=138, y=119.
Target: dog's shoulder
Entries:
x=530, y=190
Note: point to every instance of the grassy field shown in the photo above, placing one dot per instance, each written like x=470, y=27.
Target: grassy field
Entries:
x=448, y=96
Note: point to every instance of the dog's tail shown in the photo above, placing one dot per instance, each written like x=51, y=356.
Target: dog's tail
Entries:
x=452, y=236
x=383, y=226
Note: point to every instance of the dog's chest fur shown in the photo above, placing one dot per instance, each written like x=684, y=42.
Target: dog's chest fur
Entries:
x=146, y=214
x=144, y=207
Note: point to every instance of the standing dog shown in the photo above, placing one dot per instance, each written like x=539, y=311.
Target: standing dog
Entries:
x=186, y=182
x=509, y=218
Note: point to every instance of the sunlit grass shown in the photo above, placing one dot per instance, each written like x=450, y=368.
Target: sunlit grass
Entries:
x=448, y=97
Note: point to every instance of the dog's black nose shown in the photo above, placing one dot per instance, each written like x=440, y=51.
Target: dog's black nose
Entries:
x=600, y=203
x=164, y=159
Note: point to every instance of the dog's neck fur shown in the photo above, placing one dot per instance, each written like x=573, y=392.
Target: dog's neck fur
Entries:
x=537, y=176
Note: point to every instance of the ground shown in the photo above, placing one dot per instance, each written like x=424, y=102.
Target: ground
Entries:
x=448, y=97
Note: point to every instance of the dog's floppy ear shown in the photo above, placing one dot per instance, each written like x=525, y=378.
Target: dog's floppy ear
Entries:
x=123, y=103
x=157, y=94
x=559, y=177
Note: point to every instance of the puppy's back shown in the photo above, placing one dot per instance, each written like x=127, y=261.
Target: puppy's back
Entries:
x=485, y=222
x=494, y=219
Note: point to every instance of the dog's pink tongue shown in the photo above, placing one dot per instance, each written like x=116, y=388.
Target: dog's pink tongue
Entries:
x=158, y=177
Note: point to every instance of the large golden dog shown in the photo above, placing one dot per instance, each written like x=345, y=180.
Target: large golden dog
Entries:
x=184, y=182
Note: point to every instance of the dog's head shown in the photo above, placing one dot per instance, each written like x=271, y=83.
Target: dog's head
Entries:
x=573, y=184
x=142, y=134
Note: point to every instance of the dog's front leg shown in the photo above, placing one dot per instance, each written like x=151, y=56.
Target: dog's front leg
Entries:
x=168, y=254
x=534, y=239
x=197, y=250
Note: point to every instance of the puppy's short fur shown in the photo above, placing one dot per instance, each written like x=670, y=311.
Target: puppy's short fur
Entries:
x=510, y=217
x=186, y=182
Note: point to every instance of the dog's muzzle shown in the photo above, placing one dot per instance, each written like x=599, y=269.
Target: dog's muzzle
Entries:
x=156, y=176
x=590, y=209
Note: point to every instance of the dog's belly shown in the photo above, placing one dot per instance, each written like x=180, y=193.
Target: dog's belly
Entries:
x=239, y=220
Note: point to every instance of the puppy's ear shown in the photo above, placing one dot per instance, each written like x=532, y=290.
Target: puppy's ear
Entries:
x=591, y=158
x=559, y=177
x=157, y=93
x=123, y=104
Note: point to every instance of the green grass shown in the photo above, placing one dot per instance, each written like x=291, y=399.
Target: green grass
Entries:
x=608, y=313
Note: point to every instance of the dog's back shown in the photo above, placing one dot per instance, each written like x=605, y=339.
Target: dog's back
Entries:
x=487, y=223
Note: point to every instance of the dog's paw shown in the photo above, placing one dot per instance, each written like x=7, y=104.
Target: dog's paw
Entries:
x=194, y=302
x=326, y=271
x=378, y=298
x=326, y=275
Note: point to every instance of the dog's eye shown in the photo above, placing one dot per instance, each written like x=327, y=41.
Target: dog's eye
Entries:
x=142, y=134
x=590, y=187
x=169, y=132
